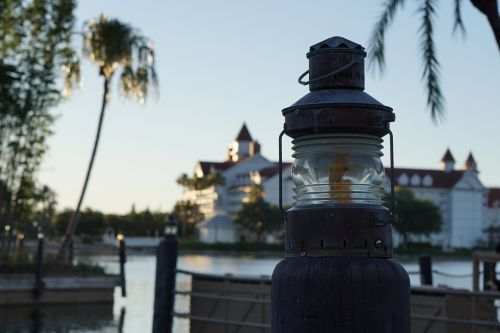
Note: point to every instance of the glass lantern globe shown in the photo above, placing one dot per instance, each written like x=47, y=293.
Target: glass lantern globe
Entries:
x=171, y=227
x=338, y=169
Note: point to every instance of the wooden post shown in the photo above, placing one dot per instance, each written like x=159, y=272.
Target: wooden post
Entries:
x=489, y=275
x=39, y=268
x=166, y=263
x=71, y=251
x=123, y=259
x=425, y=264
x=36, y=320
x=475, y=273
x=121, y=320
x=7, y=246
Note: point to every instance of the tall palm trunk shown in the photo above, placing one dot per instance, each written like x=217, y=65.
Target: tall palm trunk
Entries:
x=70, y=230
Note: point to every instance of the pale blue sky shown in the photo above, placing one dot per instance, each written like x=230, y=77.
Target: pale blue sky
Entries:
x=224, y=62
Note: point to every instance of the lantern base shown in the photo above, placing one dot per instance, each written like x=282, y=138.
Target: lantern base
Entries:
x=343, y=294
x=339, y=230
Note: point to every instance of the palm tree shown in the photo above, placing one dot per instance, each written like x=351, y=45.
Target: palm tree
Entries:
x=114, y=45
x=431, y=67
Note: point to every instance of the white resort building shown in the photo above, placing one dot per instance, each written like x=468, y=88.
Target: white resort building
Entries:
x=466, y=205
x=244, y=167
x=459, y=194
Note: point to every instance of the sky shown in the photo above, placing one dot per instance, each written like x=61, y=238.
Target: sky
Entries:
x=222, y=63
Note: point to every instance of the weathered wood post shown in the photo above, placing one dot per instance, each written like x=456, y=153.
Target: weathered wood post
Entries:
x=19, y=241
x=39, y=284
x=71, y=251
x=425, y=265
x=337, y=276
x=36, y=320
x=121, y=321
x=8, y=236
x=475, y=272
x=4, y=241
x=123, y=259
x=166, y=264
x=489, y=276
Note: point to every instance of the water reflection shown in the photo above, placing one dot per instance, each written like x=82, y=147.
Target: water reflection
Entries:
x=58, y=319
x=134, y=313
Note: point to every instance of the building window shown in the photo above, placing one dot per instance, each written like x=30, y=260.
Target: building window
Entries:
x=403, y=179
x=427, y=181
x=415, y=180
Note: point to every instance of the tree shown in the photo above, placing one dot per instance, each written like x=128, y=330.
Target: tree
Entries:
x=35, y=45
x=431, y=67
x=415, y=216
x=114, y=45
x=258, y=215
x=187, y=214
x=45, y=209
x=200, y=183
x=91, y=222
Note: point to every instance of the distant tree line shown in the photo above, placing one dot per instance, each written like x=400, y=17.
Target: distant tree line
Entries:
x=94, y=223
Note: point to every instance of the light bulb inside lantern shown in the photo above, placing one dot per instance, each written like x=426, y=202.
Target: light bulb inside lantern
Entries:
x=338, y=169
x=171, y=229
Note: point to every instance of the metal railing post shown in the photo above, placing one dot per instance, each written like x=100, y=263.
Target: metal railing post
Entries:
x=39, y=284
x=425, y=264
x=123, y=259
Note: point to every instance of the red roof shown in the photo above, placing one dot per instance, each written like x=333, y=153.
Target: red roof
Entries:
x=206, y=166
x=448, y=157
x=440, y=178
x=244, y=134
x=494, y=197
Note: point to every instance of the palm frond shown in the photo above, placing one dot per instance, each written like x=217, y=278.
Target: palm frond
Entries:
x=458, y=24
x=117, y=46
x=431, y=67
x=376, y=44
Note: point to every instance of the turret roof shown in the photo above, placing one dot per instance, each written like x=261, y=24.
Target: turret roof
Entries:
x=244, y=134
x=448, y=157
x=470, y=158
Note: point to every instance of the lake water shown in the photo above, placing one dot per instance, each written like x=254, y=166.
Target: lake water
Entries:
x=134, y=313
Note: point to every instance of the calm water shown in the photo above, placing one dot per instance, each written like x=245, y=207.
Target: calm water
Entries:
x=134, y=313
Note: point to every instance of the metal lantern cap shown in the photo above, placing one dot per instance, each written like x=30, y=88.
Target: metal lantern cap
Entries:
x=333, y=54
x=336, y=101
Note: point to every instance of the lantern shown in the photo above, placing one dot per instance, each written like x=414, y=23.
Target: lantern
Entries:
x=337, y=275
x=171, y=227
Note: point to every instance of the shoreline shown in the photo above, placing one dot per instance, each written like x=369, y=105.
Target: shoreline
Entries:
x=240, y=249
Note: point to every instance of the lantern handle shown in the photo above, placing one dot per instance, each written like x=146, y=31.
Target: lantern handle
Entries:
x=280, y=165
x=341, y=69
x=392, y=170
